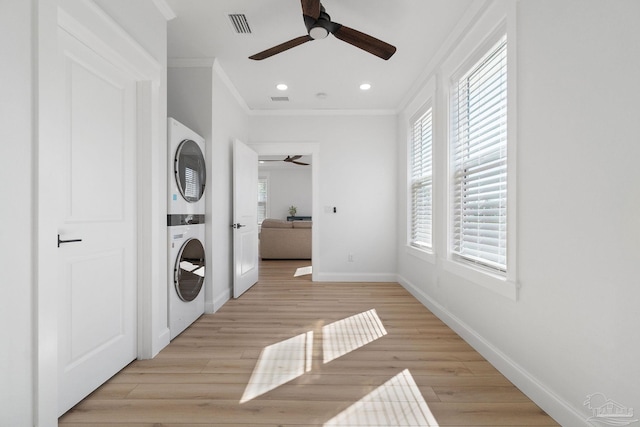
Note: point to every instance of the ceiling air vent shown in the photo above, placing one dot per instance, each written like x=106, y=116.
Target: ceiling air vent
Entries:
x=279, y=98
x=240, y=23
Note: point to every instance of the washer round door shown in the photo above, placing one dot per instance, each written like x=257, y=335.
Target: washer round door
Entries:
x=190, y=170
x=188, y=275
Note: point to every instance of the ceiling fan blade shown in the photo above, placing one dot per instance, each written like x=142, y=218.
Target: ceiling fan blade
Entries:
x=300, y=163
x=294, y=157
x=311, y=8
x=281, y=48
x=364, y=41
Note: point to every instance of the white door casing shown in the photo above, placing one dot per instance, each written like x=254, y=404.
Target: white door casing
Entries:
x=245, y=218
x=97, y=286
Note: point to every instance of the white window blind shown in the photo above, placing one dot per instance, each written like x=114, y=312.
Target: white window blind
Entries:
x=192, y=183
x=421, y=181
x=479, y=149
x=262, y=199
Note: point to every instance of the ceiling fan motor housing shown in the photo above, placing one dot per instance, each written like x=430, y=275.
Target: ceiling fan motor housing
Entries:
x=321, y=27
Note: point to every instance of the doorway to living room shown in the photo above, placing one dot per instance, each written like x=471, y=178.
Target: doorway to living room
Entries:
x=287, y=203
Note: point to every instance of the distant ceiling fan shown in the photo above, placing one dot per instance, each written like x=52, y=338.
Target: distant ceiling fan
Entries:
x=319, y=25
x=290, y=159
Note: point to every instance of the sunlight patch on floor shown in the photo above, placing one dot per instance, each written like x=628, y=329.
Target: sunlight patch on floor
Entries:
x=347, y=335
x=278, y=364
x=398, y=402
x=303, y=271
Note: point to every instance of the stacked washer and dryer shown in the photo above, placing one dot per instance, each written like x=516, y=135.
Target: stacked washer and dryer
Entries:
x=185, y=225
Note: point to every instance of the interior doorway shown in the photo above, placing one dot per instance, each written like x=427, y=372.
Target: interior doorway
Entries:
x=307, y=205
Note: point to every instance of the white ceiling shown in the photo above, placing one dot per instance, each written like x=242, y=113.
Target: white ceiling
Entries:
x=202, y=30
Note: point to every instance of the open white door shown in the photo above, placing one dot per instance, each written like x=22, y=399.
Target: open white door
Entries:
x=96, y=216
x=245, y=218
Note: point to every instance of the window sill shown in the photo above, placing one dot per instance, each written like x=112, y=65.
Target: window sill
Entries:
x=494, y=282
x=423, y=254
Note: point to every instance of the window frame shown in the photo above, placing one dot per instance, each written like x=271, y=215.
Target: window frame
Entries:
x=473, y=161
x=498, y=20
x=422, y=101
x=264, y=177
x=427, y=108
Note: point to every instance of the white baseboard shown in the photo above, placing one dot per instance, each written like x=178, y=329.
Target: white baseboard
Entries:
x=209, y=307
x=218, y=302
x=162, y=342
x=356, y=277
x=550, y=402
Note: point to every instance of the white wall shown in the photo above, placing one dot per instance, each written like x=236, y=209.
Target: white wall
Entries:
x=17, y=213
x=357, y=175
x=230, y=121
x=573, y=330
x=200, y=98
x=189, y=99
x=288, y=186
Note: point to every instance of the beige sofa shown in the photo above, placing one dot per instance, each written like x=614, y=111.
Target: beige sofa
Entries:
x=281, y=239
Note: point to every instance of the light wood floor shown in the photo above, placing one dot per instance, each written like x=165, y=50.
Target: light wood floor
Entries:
x=295, y=353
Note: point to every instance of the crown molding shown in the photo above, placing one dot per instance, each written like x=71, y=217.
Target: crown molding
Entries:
x=165, y=9
x=323, y=112
x=230, y=86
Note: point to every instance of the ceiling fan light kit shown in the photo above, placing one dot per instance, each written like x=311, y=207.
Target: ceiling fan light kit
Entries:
x=318, y=32
x=319, y=25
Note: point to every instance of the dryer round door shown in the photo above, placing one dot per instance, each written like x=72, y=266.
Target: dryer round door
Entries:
x=190, y=171
x=188, y=275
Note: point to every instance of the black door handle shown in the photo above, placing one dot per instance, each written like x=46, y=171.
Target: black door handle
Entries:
x=236, y=226
x=67, y=241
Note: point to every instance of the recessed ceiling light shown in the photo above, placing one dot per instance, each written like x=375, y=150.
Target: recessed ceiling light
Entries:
x=365, y=86
x=282, y=86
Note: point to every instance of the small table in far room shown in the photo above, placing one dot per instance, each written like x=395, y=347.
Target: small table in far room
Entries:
x=298, y=218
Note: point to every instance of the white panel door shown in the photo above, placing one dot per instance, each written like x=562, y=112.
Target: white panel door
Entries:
x=97, y=275
x=245, y=218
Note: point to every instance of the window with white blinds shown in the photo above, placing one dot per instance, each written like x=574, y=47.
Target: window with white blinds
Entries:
x=262, y=199
x=479, y=151
x=421, y=181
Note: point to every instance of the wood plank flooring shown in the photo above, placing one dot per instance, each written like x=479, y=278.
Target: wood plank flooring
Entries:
x=295, y=353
